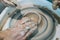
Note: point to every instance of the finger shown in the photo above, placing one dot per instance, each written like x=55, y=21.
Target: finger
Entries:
x=24, y=20
x=8, y=2
x=30, y=24
x=29, y=33
x=18, y=28
x=21, y=35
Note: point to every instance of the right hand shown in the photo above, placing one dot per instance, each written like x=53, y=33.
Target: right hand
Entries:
x=19, y=31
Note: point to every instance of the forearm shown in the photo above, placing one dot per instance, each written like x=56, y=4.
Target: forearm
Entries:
x=2, y=36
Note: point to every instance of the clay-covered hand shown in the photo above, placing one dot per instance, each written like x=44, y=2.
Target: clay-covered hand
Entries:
x=8, y=3
x=21, y=30
x=56, y=4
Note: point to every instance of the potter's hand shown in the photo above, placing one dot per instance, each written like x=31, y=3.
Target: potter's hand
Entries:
x=21, y=30
x=56, y=4
x=8, y=3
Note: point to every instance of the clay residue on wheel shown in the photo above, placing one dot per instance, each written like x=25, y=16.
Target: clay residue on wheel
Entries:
x=33, y=17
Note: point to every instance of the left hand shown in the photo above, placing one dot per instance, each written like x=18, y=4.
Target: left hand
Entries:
x=8, y=3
